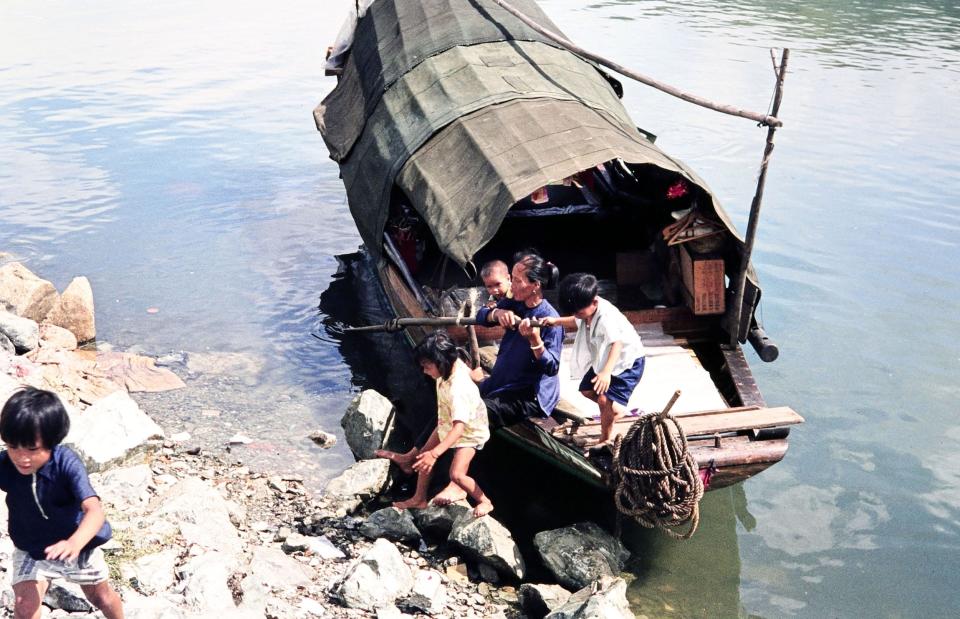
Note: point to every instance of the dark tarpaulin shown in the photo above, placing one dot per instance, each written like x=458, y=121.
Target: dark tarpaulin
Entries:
x=445, y=88
x=397, y=35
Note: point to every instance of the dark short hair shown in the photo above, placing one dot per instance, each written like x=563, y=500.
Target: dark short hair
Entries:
x=32, y=413
x=494, y=265
x=439, y=349
x=538, y=269
x=577, y=291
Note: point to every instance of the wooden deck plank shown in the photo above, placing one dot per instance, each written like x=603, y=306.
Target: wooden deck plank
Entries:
x=709, y=423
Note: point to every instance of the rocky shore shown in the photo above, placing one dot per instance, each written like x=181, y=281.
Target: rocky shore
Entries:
x=199, y=534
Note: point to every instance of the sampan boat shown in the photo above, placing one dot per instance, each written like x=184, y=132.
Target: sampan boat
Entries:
x=463, y=135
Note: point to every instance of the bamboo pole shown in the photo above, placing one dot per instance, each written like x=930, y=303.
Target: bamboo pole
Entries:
x=472, y=333
x=764, y=119
x=443, y=321
x=735, y=331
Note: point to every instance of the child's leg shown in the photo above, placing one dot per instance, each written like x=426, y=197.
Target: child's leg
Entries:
x=419, y=498
x=27, y=595
x=403, y=460
x=610, y=412
x=105, y=598
x=459, y=475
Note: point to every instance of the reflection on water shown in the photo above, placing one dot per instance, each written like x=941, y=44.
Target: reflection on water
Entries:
x=166, y=151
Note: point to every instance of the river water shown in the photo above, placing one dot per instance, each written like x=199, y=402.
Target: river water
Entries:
x=167, y=152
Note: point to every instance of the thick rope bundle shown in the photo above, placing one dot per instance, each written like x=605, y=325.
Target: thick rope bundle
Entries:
x=657, y=480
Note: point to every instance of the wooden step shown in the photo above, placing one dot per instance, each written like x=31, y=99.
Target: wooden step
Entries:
x=713, y=422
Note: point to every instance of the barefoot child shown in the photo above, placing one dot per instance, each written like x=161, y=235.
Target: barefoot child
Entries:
x=496, y=279
x=56, y=521
x=461, y=421
x=607, y=350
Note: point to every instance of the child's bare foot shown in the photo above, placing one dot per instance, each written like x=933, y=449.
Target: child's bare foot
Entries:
x=451, y=494
x=483, y=508
x=404, y=461
x=411, y=503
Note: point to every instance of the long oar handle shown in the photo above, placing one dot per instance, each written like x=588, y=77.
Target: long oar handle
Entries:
x=396, y=324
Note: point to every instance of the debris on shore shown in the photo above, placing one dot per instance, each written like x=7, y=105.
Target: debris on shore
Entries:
x=198, y=534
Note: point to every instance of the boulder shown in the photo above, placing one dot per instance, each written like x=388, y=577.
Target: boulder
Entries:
x=366, y=422
x=363, y=480
x=393, y=524
x=25, y=294
x=271, y=569
x=376, y=579
x=604, y=599
x=438, y=520
x=538, y=600
x=52, y=336
x=200, y=515
x=111, y=431
x=484, y=539
x=428, y=594
x=23, y=333
x=74, y=310
x=153, y=573
x=580, y=554
x=123, y=488
x=66, y=596
x=206, y=579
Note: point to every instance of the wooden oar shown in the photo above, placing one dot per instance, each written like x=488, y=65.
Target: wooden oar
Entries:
x=443, y=321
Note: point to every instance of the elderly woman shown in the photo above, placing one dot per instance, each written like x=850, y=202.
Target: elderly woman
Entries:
x=524, y=381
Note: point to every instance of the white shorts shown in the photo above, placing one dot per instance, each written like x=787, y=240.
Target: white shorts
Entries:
x=88, y=569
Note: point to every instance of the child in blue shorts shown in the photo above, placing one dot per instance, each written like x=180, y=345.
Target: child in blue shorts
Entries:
x=56, y=520
x=607, y=350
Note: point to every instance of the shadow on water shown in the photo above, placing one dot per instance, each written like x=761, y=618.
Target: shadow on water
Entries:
x=530, y=495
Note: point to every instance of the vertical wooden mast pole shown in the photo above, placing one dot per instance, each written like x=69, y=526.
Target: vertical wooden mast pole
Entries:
x=741, y=282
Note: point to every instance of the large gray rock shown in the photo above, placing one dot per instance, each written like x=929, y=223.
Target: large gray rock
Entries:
x=484, y=539
x=124, y=488
x=23, y=333
x=52, y=336
x=393, y=524
x=6, y=345
x=580, y=554
x=366, y=422
x=377, y=579
x=74, y=310
x=153, y=573
x=271, y=571
x=605, y=599
x=428, y=594
x=363, y=480
x=206, y=579
x=25, y=294
x=438, y=520
x=200, y=515
x=66, y=596
x=111, y=431
x=538, y=600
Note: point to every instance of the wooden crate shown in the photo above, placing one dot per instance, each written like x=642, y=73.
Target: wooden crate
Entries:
x=703, y=282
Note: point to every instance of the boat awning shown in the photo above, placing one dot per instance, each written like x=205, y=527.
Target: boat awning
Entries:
x=397, y=35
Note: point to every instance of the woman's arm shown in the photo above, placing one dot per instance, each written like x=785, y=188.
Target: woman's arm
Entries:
x=93, y=519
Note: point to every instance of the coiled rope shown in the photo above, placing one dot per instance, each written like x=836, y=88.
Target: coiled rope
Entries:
x=657, y=480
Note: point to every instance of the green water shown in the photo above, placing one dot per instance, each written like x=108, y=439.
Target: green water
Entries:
x=166, y=151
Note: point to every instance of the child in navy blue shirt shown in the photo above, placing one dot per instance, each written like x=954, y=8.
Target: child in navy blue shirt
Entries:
x=56, y=520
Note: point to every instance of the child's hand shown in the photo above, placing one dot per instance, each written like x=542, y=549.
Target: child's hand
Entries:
x=425, y=462
x=476, y=374
x=64, y=550
x=548, y=321
x=601, y=382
